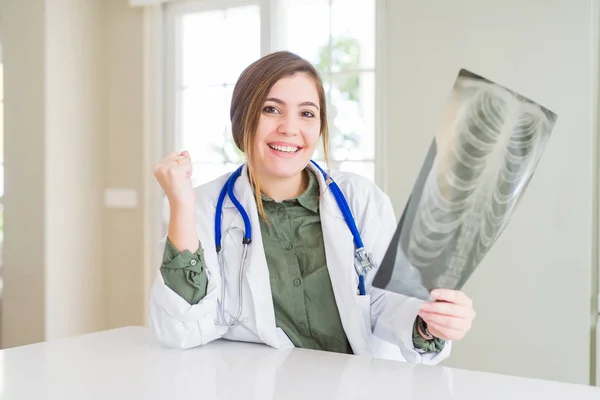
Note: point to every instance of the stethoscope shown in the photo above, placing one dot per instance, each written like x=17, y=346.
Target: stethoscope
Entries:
x=362, y=259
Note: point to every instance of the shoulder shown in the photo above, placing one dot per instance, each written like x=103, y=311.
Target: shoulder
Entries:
x=207, y=194
x=354, y=185
x=363, y=195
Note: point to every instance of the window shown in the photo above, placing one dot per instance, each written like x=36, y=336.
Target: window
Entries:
x=209, y=44
x=212, y=47
x=340, y=42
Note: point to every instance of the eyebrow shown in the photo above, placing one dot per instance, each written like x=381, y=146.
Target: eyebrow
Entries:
x=303, y=104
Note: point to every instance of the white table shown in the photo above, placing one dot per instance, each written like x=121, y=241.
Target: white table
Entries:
x=128, y=363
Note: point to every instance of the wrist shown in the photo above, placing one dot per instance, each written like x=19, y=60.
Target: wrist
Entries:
x=422, y=329
x=178, y=207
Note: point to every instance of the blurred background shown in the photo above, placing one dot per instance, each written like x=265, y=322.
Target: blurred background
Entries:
x=94, y=92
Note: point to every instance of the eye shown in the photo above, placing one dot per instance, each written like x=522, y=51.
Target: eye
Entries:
x=308, y=114
x=270, y=110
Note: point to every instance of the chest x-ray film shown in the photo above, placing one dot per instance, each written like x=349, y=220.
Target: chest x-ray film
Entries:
x=482, y=158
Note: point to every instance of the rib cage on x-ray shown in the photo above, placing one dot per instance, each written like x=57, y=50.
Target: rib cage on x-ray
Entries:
x=472, y=188
x=482, y=158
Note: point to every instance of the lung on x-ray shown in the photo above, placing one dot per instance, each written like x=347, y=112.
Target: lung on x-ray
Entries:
x=482, y=158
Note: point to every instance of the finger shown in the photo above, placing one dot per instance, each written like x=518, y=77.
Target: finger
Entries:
x=186, y=154
x=180, y=159
x=452, y=296
x=167, y=165
x=445, y=333
x=174, y=156
x=168, y=160
x=181, y=170
x=451, y=309
x=444, y=320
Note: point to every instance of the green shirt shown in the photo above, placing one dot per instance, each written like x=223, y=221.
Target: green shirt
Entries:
x=303, y=298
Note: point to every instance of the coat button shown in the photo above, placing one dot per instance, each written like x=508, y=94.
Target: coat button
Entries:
x=193, y=262
x=297, y=282
x=289, y=246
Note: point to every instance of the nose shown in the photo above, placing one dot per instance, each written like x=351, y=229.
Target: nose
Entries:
x=289, y=124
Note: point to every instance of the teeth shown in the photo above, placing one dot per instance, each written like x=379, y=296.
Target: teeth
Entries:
x=285, y=149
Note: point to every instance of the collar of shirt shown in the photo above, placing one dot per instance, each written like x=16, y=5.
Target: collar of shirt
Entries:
x=309, y=199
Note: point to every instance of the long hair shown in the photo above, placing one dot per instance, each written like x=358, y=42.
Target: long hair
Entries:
x=249, y=95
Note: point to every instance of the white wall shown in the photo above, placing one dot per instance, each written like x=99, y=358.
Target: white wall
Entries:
x=74, y=101
x=54, y=117
x=75, y=121
x=23, y=274
x=533, y=292
x=123, y=159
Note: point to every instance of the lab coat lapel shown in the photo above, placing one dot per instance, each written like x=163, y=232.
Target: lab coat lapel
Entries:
x=339, y=252
x=259, y=300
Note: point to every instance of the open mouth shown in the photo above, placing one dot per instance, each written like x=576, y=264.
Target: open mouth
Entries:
x=285, y=149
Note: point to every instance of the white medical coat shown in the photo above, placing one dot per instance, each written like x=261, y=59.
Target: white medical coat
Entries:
x=379, y=324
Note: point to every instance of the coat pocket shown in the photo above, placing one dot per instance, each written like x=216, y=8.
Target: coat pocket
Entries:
x=380, y=348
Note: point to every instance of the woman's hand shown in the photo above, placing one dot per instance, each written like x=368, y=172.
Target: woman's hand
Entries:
x=450, y=317
x=173, y=173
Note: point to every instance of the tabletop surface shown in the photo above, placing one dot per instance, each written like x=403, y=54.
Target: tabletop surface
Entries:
x=128, y=363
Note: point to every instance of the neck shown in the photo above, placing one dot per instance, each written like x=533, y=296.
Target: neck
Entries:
x=280, y=189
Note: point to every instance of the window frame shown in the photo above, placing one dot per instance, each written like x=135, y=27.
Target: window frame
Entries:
x=171, y=140
x=172, y=13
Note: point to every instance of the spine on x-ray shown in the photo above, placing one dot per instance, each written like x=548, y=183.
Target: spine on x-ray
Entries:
x=473, y=188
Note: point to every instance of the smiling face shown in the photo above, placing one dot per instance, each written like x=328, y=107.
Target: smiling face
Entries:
x=278, y=115
x=288, y=128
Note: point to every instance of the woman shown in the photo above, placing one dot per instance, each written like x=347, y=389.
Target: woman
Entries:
x=299, y=285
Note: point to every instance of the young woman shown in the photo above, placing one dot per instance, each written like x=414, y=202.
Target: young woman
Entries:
x=292, y=281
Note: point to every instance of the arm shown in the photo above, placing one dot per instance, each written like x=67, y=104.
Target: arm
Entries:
x=185, y=272
x=182, y=226
x=424, y=341
x=183, y=268
x=184, y=298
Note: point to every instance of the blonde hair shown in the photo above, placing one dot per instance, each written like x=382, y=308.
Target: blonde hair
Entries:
x=249, y=95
